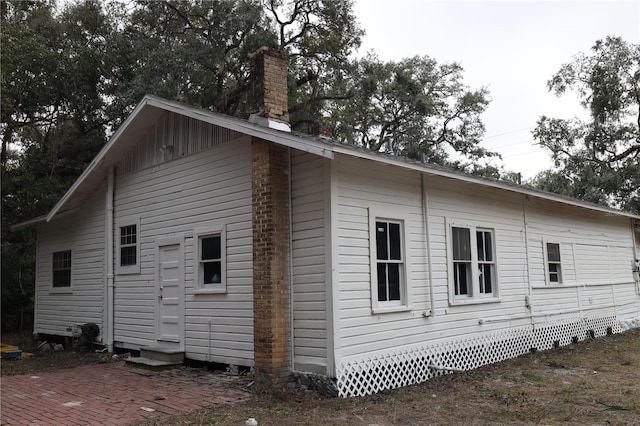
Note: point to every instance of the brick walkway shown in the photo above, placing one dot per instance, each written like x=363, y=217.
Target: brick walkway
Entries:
x=108, y=394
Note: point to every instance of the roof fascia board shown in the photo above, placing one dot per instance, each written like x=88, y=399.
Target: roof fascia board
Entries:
x=477, y=181
x=28, y=223
x=98, y=158
x=42, y=219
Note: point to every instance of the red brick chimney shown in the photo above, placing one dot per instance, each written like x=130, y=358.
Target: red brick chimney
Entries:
x=270, y=221
x=269, y=106
x=322, y=130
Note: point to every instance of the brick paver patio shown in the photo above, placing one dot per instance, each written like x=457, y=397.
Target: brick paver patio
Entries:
x=109, y=394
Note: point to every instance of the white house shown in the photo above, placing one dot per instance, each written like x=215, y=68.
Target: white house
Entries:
x=240, y=242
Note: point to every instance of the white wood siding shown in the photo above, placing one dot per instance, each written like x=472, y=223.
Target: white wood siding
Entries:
x=175, y=198
x=59, y=310
x=308, y=256
x=364, y=186
x=596, y=252
x=595, y=287
x=453, y=202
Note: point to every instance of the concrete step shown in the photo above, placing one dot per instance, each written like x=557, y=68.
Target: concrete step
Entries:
x=174, y=356
x=151, y=363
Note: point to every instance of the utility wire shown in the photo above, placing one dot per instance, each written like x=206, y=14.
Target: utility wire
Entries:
x=508, y=133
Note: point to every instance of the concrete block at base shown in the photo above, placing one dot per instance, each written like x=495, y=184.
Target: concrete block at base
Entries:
x=174, y=356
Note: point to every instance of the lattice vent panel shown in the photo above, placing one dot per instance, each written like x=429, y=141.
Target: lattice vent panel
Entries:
x=406, y=366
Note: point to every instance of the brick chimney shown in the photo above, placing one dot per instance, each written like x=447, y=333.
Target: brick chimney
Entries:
x=269, y=92
x=270, y=221
x=322, y=130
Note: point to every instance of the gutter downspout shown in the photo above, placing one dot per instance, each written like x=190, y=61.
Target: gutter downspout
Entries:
x=636, y=256
x=291, y=292
x=35, y=290
x=332, y=288
x=425, y=213
x=528, y=302
x=109, y=246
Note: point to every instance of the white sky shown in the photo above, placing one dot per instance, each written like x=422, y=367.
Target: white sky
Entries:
x=511, y=47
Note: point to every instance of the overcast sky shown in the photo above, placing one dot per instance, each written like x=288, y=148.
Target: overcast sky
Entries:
x=511, y=47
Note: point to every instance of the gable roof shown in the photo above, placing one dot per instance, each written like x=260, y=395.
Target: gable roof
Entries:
x=149, y=110
x=143, y=117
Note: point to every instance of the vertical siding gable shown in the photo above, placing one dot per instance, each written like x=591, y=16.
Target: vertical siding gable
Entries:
x=173, y=136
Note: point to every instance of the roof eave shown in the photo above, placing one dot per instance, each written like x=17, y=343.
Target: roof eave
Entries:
x=27, y=223
x=480, y=181
x=308, y=144
x=99, y=158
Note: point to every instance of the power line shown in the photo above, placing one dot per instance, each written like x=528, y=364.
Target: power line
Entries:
x=507, y=133
x=520, y=153
x=513, y=144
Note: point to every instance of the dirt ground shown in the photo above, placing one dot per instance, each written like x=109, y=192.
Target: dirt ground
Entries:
x=596, y=382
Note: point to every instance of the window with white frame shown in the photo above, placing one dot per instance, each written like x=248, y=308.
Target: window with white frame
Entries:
x=211, y=261
x=128, y=246
x=389, y=269
x=554, y=268
x=486, y=263
x=473, y=264
x=61, y=269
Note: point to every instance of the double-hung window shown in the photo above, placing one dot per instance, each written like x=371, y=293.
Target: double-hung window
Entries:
x=554, y=267
x=128, y=246
x=211, y=260
x=389, y=260
x=61, y=269
x=388, y=265
x=473, y=264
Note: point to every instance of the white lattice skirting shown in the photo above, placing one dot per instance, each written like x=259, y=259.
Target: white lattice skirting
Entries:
x=415, y=364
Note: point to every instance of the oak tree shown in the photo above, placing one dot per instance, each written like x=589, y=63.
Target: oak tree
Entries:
x=597, y=159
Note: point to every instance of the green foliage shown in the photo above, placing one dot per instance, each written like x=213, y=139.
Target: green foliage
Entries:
x=414, y=107
x=194, y=52
x=597, y=160
x=319, y=37
x=53, y=79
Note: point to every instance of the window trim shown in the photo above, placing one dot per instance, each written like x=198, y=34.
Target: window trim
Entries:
x=547, y=271
x=404, y=304
x=218, y=230
x=474, y=296
x=65, y=289
x=121, y=223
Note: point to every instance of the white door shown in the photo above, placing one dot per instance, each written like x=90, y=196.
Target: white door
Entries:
x=170, y=293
